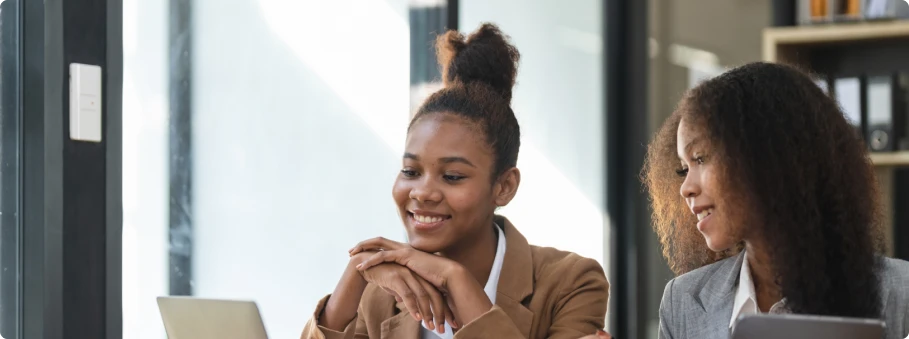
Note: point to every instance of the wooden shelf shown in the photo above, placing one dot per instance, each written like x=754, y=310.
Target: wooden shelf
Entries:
x=891, y=159
x=777, y=41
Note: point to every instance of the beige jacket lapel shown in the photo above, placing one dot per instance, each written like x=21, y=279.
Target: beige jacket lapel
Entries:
x=516, y=280
x=401, y=325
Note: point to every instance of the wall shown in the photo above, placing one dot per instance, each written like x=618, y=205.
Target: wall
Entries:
x=559, y=103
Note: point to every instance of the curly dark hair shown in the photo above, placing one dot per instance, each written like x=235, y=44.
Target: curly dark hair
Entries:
x=796, y=174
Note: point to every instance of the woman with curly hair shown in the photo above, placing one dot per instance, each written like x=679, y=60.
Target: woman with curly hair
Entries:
x=764, y=200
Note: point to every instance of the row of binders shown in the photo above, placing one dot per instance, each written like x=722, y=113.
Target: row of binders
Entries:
x=877, y=105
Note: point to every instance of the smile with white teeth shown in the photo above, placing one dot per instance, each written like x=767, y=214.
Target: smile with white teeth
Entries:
x=704, y=214
x=426, y=219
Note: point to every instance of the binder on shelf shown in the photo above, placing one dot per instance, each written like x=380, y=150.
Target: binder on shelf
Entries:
x=879, y=128
x=901, y=111
x=848, y=93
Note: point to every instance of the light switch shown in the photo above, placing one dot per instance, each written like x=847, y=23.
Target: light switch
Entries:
x=85, y=102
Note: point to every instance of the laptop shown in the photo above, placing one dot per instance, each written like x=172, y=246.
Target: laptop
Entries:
x=792, y=326
x=197, y=318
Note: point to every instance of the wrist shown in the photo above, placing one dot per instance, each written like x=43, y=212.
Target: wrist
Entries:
x=456, y=277
x=352, y=276
x=342, y=306
x=467, y=295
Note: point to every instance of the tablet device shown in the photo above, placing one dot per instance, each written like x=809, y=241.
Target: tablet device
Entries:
x=792, y=326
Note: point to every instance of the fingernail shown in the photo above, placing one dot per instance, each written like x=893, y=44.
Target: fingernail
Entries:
x=418, y=316
x=359, y=265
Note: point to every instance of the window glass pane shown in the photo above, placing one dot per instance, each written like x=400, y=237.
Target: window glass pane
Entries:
x=9, y=169
x=298, y=112
x=559, y=103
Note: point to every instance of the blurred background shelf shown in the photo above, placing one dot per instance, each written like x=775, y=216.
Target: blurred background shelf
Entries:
x=795, y=44
x=893, y=159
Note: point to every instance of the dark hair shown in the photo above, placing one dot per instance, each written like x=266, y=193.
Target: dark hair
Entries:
x=795, y=173
x=478, y=73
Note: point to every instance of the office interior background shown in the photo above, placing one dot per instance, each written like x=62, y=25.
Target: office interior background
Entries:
x=247, y=144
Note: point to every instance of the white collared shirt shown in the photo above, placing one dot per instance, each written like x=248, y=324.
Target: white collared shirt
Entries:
x=746, y=298
x=492, y=285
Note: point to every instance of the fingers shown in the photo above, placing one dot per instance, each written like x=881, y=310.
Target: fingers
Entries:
x=599, y=335
x=407, y=296
x=378, y=243
x=396, y=256
x=449, y=316
x=422, y=298
x=440, y=310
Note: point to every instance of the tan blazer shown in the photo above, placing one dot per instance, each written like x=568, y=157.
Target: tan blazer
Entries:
x=542, y=293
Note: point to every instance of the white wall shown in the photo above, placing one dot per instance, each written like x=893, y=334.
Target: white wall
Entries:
x=300, y=112
x=559, y=104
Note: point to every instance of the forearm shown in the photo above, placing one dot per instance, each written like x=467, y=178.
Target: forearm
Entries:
x=468, y=297
x=342, y=306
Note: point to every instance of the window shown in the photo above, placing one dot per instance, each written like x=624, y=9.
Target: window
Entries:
x=269, y=162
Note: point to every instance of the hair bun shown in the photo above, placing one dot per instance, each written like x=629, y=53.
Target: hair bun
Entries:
x=486, y=56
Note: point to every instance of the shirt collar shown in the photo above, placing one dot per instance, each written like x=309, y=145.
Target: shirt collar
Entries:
x=493, y=282
x=745, y=297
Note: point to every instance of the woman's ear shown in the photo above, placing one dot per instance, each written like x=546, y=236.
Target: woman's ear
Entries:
x=506, y=186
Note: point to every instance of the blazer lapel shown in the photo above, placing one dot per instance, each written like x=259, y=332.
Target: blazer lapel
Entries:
x=401, y=325
x=516, y=280
x=717, y=297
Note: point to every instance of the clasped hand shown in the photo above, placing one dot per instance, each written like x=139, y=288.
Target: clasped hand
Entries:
x=418, y=279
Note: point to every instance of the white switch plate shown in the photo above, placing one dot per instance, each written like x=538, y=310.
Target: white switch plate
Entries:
x=85, y=102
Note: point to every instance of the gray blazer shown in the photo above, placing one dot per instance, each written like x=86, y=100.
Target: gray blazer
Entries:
x=698, y=304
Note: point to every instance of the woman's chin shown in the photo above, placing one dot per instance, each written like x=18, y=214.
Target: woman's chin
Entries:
x=423, y=244
x=717, y=245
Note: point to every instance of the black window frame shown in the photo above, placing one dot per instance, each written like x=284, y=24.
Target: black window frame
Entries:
x=71, y=191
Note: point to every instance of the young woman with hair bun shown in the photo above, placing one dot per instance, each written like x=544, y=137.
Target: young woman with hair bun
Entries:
x=464, y=272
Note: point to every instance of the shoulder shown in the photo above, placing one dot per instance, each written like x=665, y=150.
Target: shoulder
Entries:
x=895, y=278
x=895, y=270
x=549, y=262
x=894, y=275
x=690, y=284
x=560, y=273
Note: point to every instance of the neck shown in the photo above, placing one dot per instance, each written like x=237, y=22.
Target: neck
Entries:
x=762, y=274
x=476, y=253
